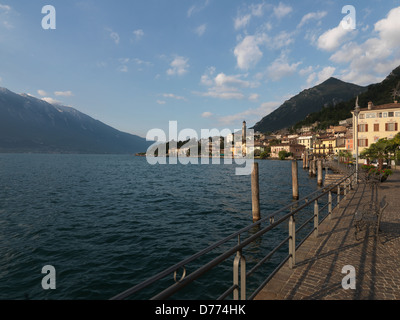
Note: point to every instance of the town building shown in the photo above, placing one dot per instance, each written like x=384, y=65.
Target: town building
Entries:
x=306, y=140
x=374, y=123
x=296, y=149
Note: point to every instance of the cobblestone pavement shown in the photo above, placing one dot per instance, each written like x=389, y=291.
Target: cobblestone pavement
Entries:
x=319, y=261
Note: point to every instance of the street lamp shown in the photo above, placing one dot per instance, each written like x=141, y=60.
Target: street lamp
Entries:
x=356, y=113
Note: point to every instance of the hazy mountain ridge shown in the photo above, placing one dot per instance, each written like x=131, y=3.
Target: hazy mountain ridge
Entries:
x=28, y=124
x=332, y=91
x=378, y=94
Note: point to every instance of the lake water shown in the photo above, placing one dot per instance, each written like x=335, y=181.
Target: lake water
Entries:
x=108, y=222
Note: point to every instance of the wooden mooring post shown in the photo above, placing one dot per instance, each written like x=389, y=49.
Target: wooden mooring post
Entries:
x=314, y=167
x=295, y=180
x=255, y=193
x=320, y=175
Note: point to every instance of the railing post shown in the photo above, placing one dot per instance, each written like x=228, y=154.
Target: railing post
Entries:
x=316, y=218
x=239, y=264
x=338, y=196
x=330, y=205
x=345, y=189
x=292, y=242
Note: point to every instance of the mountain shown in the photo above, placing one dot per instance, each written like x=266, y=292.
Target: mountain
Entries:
x=378, y=94
x=330, y=92
x=28, y=124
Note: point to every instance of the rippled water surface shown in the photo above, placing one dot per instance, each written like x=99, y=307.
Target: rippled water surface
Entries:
x=109, y=222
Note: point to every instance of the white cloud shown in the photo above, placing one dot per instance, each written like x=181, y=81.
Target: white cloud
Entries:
x=283, y=39
x=224, y=93
x=161, y=102
x=206, y=78
x=206, y=115
x=248, y=52
x=242, y=21
x=306, y=71
x=254, y=97
x=113, y=35
x=312, y=16
x=138, y=34
x=333, y=38
x=142, y=62
x=251, y=115
x=5, y=7
x=197, y=8
x=179, y=66
x=200, y=30
x=42, y=93
x=311, y=79
x=370, y=61
x=224, y=86
x=316, y=78
x=281, y=68
x=257, y=9
x=223, y=80
x=64, y=93
x=123, y=68
x=51, y=100
x=389, y=27
x=7, y=25
x=173, y=96
x=326, y=73
x=282, y=10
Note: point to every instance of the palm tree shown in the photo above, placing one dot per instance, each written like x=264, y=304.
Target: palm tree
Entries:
x=380, y=151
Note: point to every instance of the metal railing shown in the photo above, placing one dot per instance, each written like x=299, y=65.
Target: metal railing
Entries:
x=240, y=274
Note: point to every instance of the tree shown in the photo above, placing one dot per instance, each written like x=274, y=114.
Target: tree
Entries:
x=264, y=155
x=345, y=154
x=380, y=151
x=283, y=155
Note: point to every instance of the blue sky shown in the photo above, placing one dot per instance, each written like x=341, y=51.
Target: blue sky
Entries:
x=136, y=65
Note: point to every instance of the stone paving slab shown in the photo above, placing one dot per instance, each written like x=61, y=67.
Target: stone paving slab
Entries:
x=319, y=261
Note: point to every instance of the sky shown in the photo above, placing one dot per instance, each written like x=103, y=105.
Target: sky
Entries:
x=136, y=65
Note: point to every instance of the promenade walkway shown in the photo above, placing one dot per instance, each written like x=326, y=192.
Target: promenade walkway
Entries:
x=319, y=261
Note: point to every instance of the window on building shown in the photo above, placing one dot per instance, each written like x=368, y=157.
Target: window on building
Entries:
x=363, y=142
x=391, y=114
x=376, y=127
x=380, y=115
x=391, y=126
x=363, y=128
x=361, y=116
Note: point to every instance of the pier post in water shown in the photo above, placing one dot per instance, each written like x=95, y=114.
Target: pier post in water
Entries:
x=295, y=180
x=320, y=176
x=255, y=193
x=307, y=159
x=314, y=167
